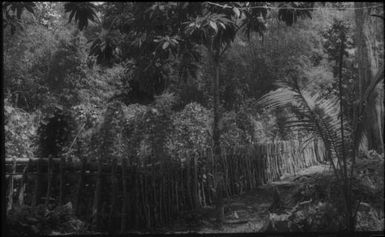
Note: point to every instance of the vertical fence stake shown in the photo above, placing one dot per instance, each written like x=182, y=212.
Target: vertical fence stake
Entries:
x=49, y=181
x=97, y=195
x=123, y=221
x=24, y=184
x=61, y=181
x=113, y=191
x=11, y=186
x=37, y=185
x=80, y=186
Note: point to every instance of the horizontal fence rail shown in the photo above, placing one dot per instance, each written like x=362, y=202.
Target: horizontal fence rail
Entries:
x=122, y=195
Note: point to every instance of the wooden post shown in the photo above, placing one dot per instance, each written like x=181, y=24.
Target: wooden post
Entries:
x=80, y=186
x=97, y=196
x=137, y=192
x=49, y=181
x=163, y=202
x=11, y=186
x=61, y=181
x=219, y=203
x=23, y=185
x=113, y=191
x=37, y=185
x=181, y=189
x=145, y=199
x=123, y=221
x=176, y=183
x=263, y=163
x=188, y=184
x=195, y=185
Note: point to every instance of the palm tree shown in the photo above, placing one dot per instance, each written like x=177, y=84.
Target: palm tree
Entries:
x=322, y=118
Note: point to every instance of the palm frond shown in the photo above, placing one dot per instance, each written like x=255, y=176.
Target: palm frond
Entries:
x=315, y=114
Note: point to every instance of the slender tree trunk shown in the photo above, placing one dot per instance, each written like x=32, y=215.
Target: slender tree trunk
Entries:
x=347, y=191
x=216, y=144
x=367, y=67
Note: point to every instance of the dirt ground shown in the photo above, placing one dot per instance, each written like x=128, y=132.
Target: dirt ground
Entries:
x=244, y=213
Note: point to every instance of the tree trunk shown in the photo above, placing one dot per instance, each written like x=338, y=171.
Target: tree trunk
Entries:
x=216, y=144
x=367, y=68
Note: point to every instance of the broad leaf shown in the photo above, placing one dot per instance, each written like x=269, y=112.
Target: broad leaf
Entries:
x=82, y=11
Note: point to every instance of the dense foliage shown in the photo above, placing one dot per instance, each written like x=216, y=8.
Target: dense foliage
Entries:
x=150, y=81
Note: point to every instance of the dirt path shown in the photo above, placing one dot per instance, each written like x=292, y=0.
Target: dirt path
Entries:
x=247, y=212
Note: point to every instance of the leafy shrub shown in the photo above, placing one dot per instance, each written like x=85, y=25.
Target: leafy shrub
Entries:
x=368, y=219
x=191, y=131
x=26, y=221
x=232, y=134
x=316, y=217
x=104, y=143
x=324, y=198
x=20, y=132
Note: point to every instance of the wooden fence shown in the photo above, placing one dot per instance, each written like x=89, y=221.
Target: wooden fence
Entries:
x=121, y=195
